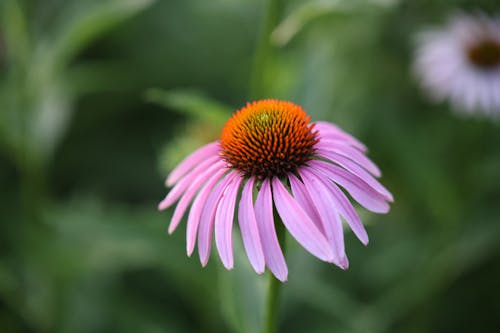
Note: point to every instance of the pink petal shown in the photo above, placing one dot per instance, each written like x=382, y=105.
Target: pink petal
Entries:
x=304, y=200
x=345, y=208
x=357, y=188
x=249, y=229
x=192, y=160
x=265, y=221
x=197, y=208
x=224, y=222
x=330, y=131
x=358, y=171
x=208, y=215
x=349, y=152
x=323, y=200
x=299, y=224
x=190, y=192
x=181, y=186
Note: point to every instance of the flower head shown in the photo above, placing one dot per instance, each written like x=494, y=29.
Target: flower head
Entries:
x=268, y=138
x=273, y=158
x=461, y=62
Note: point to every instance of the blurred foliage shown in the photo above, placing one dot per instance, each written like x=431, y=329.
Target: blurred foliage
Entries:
x=206, y=119
x=82, y=247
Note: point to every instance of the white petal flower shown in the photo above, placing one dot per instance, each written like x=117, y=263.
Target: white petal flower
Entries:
x=460, y=62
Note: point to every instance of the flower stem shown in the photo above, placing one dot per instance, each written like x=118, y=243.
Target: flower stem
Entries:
x=274, y=286
x=272, y=302
x=263, y=49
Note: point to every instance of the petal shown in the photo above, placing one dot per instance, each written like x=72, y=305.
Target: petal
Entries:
x=357, y=188
x=299, y=224
x=272, y=250
x=358, y=171
x=192, y=160
x=224, y=222
x=302, y=197
x=323, y=200
x=208, y=215
x=349, y=152
x=181, y=186
x=197, y=208
x=190, y=192
x=345, y=208
x=249, y=229
x=330, y=131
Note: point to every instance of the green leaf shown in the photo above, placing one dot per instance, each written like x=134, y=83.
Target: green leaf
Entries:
x=88, y=22
x=191, y=102
x=312, y=10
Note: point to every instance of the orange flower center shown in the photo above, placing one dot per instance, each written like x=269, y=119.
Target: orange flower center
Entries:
x=485, y=54
x=268, y=138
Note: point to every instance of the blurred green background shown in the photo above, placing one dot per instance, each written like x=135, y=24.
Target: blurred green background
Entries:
x=99, y=99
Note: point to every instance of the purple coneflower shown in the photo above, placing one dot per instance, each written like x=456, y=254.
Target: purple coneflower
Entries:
x=461, y=62
x=275, y=161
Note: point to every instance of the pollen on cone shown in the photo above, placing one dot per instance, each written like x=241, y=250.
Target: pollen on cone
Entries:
x=267, y=138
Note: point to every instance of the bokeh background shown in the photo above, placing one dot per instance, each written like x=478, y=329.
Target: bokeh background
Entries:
x=99, y=99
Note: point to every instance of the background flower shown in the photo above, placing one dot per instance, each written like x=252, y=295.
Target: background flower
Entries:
x=461, y=62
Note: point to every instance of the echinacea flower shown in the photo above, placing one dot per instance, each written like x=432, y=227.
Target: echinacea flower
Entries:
x=461, y=62
x=274, y=159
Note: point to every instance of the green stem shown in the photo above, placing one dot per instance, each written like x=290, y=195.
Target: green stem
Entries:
x=263, y=49
x=274, y=287
x=272, y=302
